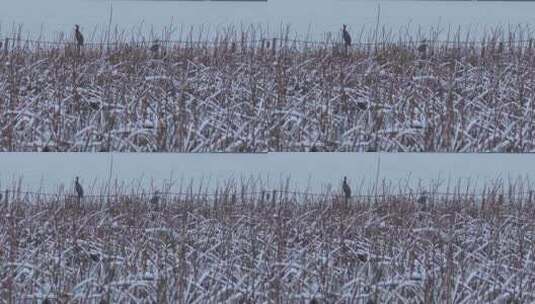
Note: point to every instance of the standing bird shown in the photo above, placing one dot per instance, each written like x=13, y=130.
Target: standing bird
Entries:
x=155, y=198
x=347, y=190
x=422, y=48
x=78, y=35
x=79, y=189
x=423, y=198
x=346, y=36
x=155, y=46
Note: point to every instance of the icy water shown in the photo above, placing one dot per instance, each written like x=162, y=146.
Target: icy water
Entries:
x=315, y=172
x=312, y=17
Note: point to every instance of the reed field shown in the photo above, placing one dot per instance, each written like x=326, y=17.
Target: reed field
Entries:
x=244, y=91
x=242, y=246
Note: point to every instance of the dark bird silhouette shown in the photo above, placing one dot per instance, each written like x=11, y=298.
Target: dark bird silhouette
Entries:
x=155, y=46
x=422, y=48
x=314, y=301
x=423, y=198
x=362, y=257
x=346, y=36
x=46, y=301
x=155, y=198
x=78, y=188
x=362, y=105
x=95, y=257
x=78, y=35
x=346, y=188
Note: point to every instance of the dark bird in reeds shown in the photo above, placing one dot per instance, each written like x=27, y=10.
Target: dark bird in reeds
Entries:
x=422, y=48
x=423, y=198
x=95, y=257
x=314, y=301
x=78, y=188
x=155, y=198
x=362, y=105
x=78, y=35
x=346, y=188
x=362, y=257
x=155, y=46
x=346, y=36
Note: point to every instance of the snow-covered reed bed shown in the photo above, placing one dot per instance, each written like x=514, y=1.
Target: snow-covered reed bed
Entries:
x=265, y=250
x=240, y=93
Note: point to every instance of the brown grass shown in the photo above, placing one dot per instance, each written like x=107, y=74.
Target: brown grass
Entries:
x=238, y=92
x=269, y=250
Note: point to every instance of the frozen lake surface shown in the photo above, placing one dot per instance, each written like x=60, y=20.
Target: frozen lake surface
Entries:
x=315, y=17
x=314, y=172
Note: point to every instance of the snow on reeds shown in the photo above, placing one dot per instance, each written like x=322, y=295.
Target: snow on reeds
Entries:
x=242, y=91
x=269, y=249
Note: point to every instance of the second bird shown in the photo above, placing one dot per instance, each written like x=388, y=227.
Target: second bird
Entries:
x=346, y=36
x=346, y=188
x=78, y=188
x=78, y=35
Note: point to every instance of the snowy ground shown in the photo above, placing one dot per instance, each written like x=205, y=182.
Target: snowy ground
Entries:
x=313, y=16
x=314, y=172
x=249, y=97
x=269, y=251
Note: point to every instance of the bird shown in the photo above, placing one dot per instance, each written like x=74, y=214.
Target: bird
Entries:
x=346, y=188
x=422, y=200
x=95, y=257
x=155, y=46
x=346, y=36
x=422, y=48
x=78, y=35
x=362, y=105
x=78, y=188
x=155, y=198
